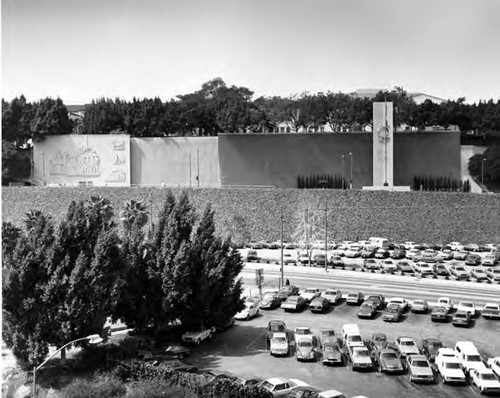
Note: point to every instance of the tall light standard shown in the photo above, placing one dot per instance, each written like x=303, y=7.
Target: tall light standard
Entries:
x=281, y=237
x=93, y=339
x=482, y=172
x=342, y=160
x=350, y=183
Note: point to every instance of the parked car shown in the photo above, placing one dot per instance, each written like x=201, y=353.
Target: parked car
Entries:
x=485, y=380
x=368, y=252
x=459, y=272
x=354, y=298
x=305, y=350
x=288, y=259
x=371, y=264
x=490, y=259
x=494, y=364
x=450, y=369
x=360, y=358
x=280, y=387
x=333, y=353
x=398, y=254
x=460, y=255
x=491, y=311
x=400, y=301
x=382, y=253
x=393, y=313
x=473, y=259
x=467, y=306
x=250, y=311
x=304, y=258
x=412, y=254
x=336, y=261
x=493, y=274
x=319, y=304
x=353, y=252
x=367, y=310
x=455, y=246
x=334, y=296
x=327, y=336
x=389, y=266
x=405, y=267
x=294, y=303
x=408, y=245
x=430, y=347
x=252, y=256
x=319, y=259
x=407, y=346
x=420, y=369
x=389, y=361
x=340, y=250
x=479, y=275
x=446, y=254
x=333, y=394
x=199, y=336
x=461, y=318
x=310, y=293
x=270, y=301
x=377, y=299
x=441, y=270
x=445, y=302
x=439, y=314
x=471, y=247
x=302, y=330
x=279, y=344
x=303, y=392
x=429, y=256
x=419, y=306
x=424, y=269
x=180, y=366
x=288, y=290
x=378, y=342
x=275, y=326
x=248, y=381
x=177, y=351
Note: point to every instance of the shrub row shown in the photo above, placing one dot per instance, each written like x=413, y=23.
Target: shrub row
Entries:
x=432, y=217
x=321, y=181
x=433, y=183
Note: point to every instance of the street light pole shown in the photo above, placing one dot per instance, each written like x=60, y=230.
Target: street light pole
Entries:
x=482, y=172
x=93, y=339
x=326, y=231
x=342, y=159
x=281, y=233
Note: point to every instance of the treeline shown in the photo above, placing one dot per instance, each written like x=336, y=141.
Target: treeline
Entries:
x=62, y=282
x=447, y=184
x=322, y=181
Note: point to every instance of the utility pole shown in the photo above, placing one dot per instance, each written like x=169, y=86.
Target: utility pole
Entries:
x=326, y=231
x=350, y=184
x=482, y=172
x=281, y=233
x=342, y=159
x=189, y=169
x=198, y=167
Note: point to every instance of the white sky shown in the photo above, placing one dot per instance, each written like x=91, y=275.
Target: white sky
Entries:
x=80, y=50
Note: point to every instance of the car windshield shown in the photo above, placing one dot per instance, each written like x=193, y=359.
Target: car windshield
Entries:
x=363, y=353
x=331, y=292
x=440, y=309
x=367, y=307
x=292, y=299
x=277, y=328
x=435, y=344
x=470, y=305
x=268, y=386
x=473, y=358
x=419, y=302
x=354, y=338
x=310, y=290
x=304, y=343
x=389, y=355
x=460, y=315
x=407, y=342
x=328, y=332
x=420, y=364
x=303, y=331
x=488, y=376
x=393, y=308
x=279, y=340
x=379, y=338
x=452, y=365
x=352, y=295
x=331, y=348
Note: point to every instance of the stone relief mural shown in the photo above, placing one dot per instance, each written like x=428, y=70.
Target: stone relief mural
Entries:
x=117, y=175
x=83, y=162
x=118, y=144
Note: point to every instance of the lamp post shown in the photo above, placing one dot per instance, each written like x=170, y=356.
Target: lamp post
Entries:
x=350, y=177
x=281, y=236
x=342, y=160
x=482, y=172
x=93, y=339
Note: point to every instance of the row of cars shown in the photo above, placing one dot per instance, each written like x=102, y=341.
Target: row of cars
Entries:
x=427, y=363
x=290, y=299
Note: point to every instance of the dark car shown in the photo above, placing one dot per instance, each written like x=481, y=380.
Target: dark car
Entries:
x=371, y=264
x=441, y=270
x=270, y=301
x=336, y=261
x=398, y=254
x=319, y=259
x=393, y=313
x=180, y=366
x=368, y=252
x=462, y=318
x=248, y=381
x=381, y=253
x=275, y=326
x=405, y=267
x=378, y=342
x=294, y=303
x=367, y=310
x=473, y=259
x=389, y=361
x=440, y=314
x=333, y=353
x=377, y=299
x=177, y=351
x=319, y=304
x=288, y=290
x=252, y=256
x=430, y=347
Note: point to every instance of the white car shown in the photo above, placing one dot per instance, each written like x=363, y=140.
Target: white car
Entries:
x=281, y=387
x=331, y=394
x=450, y=368
x=389, y=266
x=410, y=254
x=424, y=268
x=494, y=364
x=251, y=310
x=303, y=330
x=304, y=348
x=485, y=380
x=399, y=300
x=353, y=252
x=489, y=259
x=467, y=306
x=409, y=245
x=445, y=302
x=332, y=295
x=310, y=293
x=491, y=311
x=360, y=358
x=456, y=246
x=279, y=344
x=198, y=337
x=407, y=346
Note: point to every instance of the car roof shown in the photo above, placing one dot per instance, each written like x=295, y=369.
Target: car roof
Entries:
x=405, y=338
x=420, y=357
x=277, y=380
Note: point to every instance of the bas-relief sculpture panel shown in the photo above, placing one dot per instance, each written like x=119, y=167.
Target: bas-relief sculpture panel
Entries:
x=67, y=160
x=383, y=144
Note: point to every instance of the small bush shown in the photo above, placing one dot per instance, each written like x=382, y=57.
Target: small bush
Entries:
x=157, y=388
x=103, y=388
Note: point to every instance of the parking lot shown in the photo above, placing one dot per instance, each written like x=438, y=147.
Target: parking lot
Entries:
x=242, y=350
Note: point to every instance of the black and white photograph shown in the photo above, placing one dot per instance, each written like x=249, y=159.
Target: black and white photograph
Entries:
x=250, y=198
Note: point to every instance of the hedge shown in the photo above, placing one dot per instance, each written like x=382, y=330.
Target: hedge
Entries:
x=254, y=214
